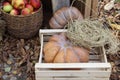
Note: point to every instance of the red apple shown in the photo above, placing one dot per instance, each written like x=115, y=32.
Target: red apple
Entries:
x=25, y=11
x=35, y=3
x=6, y=3
x=18, y=4
x=7, y=7
x=14, y=12
x=26, y=1
x=29, y=7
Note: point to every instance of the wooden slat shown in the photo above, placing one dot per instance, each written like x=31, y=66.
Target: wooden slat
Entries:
x=73, y=65
x=94, y=8
x=73, y=73
x=41, y=42
x=57, y=4
x=73, y=78
x=87, y=8
x=42, y=31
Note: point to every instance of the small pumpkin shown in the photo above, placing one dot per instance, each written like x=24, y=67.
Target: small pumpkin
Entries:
x=60, y=50
x=63, y=15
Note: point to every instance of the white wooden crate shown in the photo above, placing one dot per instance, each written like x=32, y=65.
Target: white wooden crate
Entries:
x=97, y=68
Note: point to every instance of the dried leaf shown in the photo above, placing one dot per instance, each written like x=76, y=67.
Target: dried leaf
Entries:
x=37, y=51
x=23, y=76
x=24, y=59
x=29, y=66
x=5, y=77
x=27, y=48
x=117, y=6
x=22, y=42
x=34, y=62
x=7, y=69
x=23, y=51
x=28, y=78
x=7, y=44
x=9, y=62
x=15, y=72
x=1, y=74
x=13, y=78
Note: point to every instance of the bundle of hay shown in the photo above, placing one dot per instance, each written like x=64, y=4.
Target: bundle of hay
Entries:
x=92, y=33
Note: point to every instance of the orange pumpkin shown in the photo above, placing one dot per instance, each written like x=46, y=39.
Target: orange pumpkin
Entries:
x=60, y=50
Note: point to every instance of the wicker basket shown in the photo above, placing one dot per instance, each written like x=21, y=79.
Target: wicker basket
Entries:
x=21, y=26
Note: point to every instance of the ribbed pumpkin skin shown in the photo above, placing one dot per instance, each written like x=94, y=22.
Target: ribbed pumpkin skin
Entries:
x=63, y=15
x=60, y=50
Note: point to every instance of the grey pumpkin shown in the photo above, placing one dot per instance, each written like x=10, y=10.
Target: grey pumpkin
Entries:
x=63, y=15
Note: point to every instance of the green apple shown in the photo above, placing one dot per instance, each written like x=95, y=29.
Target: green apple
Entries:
x=7, y=8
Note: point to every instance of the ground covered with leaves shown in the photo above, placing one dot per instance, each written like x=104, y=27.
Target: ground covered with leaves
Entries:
x=18, y=57
x=112, y=16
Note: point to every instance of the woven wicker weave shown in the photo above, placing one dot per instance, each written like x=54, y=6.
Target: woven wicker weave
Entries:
x=21, y=26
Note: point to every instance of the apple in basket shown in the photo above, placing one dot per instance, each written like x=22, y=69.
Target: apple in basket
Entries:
x=7, y=7
x=35, y=3
x=26, y=1
x=18, y=4
x=14, y=12
x=29, y=6
x=25, y=11
x=5, y=3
